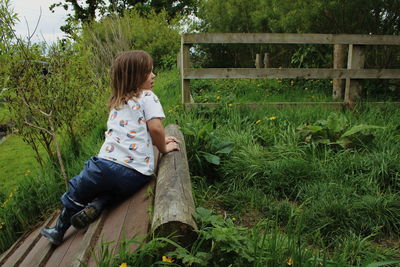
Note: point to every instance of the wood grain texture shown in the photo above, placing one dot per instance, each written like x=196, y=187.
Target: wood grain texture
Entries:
x=17, y=253
x=289, y=38
x=312, y=73
x=173, y=203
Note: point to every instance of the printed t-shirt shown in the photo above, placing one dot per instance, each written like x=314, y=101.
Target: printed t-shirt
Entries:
x=128, y=141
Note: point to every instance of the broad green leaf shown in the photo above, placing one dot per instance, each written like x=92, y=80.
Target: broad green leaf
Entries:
x=213, y=159
x=336, y=123
x=225, y=147
x=359, y=128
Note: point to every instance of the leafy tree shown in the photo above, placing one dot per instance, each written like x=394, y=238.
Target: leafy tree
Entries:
x=7, y=21
x=48, y=94
x=86, y=13
x=297, y=16
x=113, y=34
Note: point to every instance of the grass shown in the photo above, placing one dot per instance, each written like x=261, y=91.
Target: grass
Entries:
x=17, y=160
x=282, y=198
x=3, y=113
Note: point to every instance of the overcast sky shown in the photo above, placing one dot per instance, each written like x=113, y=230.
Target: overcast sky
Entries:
x=49, y=24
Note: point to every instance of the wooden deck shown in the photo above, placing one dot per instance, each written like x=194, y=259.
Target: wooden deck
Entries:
x=128, y=219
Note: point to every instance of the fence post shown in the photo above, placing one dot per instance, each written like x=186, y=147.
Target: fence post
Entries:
x=258, y=61
x=266, y=60
x=338, y=63
x=185, y=63
x=355, y=60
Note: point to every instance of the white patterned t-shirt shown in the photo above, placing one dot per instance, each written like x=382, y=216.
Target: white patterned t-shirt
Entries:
x=128, y=141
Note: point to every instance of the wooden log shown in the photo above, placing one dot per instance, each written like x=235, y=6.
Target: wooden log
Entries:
x=266, y=60
x=338, y=63
x=355, y=61
x=173, y=203
x=258, y=61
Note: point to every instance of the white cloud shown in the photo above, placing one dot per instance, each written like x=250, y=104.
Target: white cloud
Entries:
x=49, y=25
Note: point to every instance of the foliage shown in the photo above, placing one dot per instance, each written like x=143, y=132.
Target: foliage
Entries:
x=113, y=34
x=86, y=13
x=336, y=131
x=7, y=21
x=222, y=243
x=46, y=94
x=298, y=16
x=208, y=145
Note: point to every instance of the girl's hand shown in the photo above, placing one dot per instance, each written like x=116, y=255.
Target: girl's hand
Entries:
x=170, y=139
x=171, y=146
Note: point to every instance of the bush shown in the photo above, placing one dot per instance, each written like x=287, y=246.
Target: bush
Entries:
x=112, y=35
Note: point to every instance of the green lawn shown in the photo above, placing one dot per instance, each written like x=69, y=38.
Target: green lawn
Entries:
x=17, y=160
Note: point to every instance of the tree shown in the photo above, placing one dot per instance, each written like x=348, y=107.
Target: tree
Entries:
x=297, y=16
x=86, y=13
x=7, y=21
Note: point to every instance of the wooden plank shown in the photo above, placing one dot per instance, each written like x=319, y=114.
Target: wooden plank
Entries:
x=111, y=229
x=69, y=256
x=289, y=38
x=173, y=203
x=258, y=61
x=235, y=73
x=39, y=254
x=137, y=221
x=356, y=60
x=21, y=249
x=60, y=251
x=338, y=63
x=89, y=240
x=185, y=63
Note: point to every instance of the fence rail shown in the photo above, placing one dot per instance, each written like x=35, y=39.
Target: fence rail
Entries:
x=289, y=38
x=355, y=61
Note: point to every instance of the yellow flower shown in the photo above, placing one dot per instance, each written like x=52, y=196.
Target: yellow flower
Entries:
x=257, y=122
x=306, y=88
x=167, y=259
x=124, y=265
x=218, y=97
x=229, y=105
x=289, y=262
x=272, y=118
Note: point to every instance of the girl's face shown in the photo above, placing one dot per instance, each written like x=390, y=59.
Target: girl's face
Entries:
x=148, y=84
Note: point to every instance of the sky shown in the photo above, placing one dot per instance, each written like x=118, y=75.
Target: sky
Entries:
x=28, y=12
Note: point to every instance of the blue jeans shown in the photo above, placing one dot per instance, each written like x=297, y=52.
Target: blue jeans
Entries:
x=104, y=180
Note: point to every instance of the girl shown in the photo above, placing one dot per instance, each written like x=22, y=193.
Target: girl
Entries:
x=126, y=160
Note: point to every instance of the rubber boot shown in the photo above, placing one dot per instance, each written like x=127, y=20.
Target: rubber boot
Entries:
x=56, y=234
x=90, y=213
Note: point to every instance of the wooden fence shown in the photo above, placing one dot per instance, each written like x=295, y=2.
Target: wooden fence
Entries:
x=355, y=62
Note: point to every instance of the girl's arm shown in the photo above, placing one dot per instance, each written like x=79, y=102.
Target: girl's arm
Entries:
x=157, y=134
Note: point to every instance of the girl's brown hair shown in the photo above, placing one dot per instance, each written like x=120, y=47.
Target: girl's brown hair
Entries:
x=128, y=72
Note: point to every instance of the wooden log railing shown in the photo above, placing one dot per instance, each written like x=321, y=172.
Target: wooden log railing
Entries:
x=173, y=202
x=355, y=62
